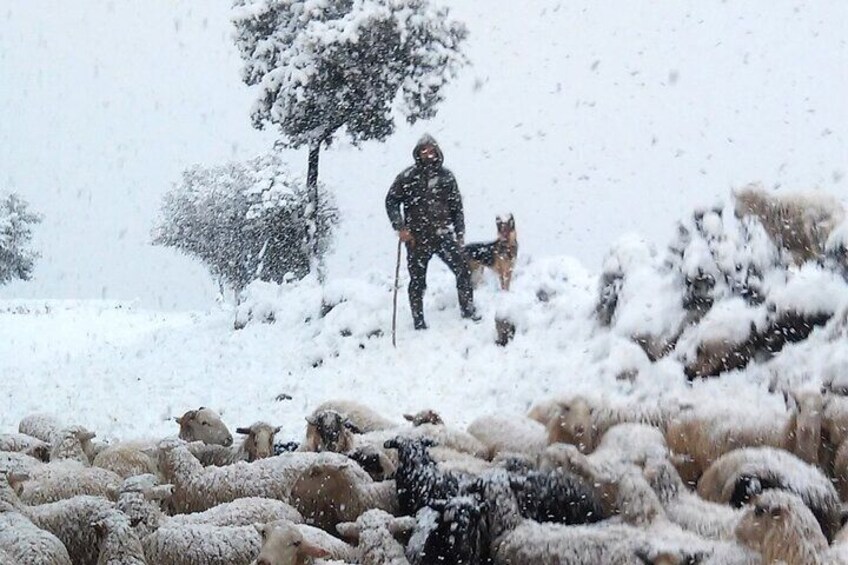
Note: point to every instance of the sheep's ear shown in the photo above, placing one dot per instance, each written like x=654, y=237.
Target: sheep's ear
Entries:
x=790, y=401
x=261, y=529
x=277, y=429
x=409, y=417
x=312, y=550
x=348, y=530
x=402, y=525
x=312, y=420
x=243, y=431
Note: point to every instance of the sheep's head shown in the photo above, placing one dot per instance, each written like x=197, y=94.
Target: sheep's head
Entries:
x=283, y=544
x=329, y=430
x=458, y=529
x=778, y=525
x=375, y=519
x=73, y=442
x=204, y=424
x=424, y=417
x=573, y=424
x=259, y=440
x=374, y=462
x=411, y=448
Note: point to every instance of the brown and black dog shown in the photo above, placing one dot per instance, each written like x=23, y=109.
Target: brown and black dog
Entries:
x=499, y=255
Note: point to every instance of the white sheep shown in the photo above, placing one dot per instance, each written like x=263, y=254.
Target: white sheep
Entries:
x=374, y=534
x=361, y=417
x=204, y=424
x=17, y=462
x=23, y=443
x=40, y=426
x=686, y=509
x=697, y=438
x=50, y=429
x=258, y=443
x=73, y=443
x=202, y=544
x=117, y=541
x=67, y=478
x=126, y=460
x=289, y=544
x=779, y=527
x=25, y=544
x=513, y=434
x=583, y=422
x=737, y=476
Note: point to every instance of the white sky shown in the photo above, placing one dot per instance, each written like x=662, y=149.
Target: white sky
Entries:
x=591, y=118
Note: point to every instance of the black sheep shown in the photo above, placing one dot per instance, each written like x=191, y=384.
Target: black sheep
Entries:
x=557, y=496
x=449, y=532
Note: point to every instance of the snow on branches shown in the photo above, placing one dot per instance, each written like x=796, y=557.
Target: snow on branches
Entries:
x=321, y=65
x=16, y=221
x=246, y=221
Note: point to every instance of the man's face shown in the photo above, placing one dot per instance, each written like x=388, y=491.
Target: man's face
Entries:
x=428, y=155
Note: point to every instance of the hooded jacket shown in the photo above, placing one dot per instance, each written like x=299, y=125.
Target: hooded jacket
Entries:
x=432, y=205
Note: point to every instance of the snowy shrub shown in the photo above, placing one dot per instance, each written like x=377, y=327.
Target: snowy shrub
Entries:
x=16, y=221
x=246, y=221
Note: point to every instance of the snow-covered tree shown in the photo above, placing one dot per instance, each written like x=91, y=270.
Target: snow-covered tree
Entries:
x=246, y=221
x=16, y=220
x=328, y=66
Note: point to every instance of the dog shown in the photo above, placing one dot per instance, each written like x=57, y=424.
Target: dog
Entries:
x=499, y=255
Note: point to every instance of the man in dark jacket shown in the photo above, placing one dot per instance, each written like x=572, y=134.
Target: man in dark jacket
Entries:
x=432, y=223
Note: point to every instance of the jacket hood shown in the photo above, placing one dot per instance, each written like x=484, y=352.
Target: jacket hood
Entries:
x=427, y=139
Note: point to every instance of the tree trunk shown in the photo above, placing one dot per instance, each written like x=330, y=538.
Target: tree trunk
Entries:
x=312, y=186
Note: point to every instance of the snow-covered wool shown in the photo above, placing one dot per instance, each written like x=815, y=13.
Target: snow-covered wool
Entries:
x=514, y=434
x=418, y=479
x=583, y=422
x=24, y=543
x=361, y=417
x=15, y=462
x=424, y=417
x=50, y=429
x=840, y=470
x=63, y=479
x=780, y=527
x=799, y=223
x=374, y=533
x=284, y=543
x=834, y=427
x=118, y=542
x=449, y=532
x=258, y=443
x=741, y=474
x=697, y=438
x=23, y=443
x=125, y=460
x=686, y=509
x=40, y=426
x=327, y=493
x=204, y=424
x=198, y=488
x=202, y=544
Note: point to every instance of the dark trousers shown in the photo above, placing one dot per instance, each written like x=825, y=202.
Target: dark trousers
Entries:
x=447, y=248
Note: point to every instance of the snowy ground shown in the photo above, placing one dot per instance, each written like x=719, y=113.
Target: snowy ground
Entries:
x=124, y=371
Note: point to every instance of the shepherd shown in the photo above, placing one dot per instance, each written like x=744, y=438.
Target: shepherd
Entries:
x=431, y=223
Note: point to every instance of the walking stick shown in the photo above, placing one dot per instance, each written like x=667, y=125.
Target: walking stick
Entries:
x=394, y=300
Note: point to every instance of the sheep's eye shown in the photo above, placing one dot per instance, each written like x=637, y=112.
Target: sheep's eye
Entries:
x=296, y=543
x=759, y=511
x=204, y=423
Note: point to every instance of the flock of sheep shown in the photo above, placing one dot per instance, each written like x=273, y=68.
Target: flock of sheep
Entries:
x=576, y=481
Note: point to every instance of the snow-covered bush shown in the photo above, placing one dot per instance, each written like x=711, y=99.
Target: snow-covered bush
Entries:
x=246, y=221
x=16, y=221
x=324, y=66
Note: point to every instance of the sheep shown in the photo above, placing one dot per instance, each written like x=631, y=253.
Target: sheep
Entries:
x=72, y=443
x=49, y=429
x=557, y=496
x=686, y=509
x=258, y=443
x=328, y=493
x=374, y=461
x=28, y=445
x=40, y=426
x=737, y=476
x=360, y=416
x=329, y=430
x=25, y=544
x=117, y=541
x=509, y=434
x=780, y=527
x=448, y=532
x=202, y=544
x=834, y=427
x=424, y=417
x=289, y=544
x=374, y=534
x=125, y=460
x=581, y=422
x=65, y=479
x=698, y=439
x=797, y=223
x=204, y=424
x=16, y=462
x=840, y=470
x=198, y=488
